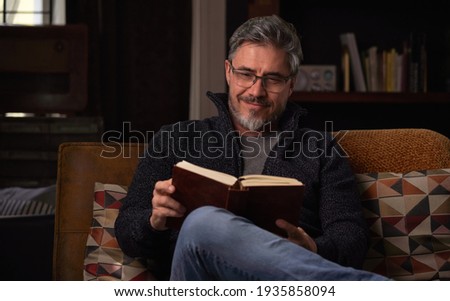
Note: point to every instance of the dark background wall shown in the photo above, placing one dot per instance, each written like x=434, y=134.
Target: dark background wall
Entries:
x=139, y=60
x=139, y=55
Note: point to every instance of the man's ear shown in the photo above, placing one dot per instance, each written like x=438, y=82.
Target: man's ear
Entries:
x=227, y=71
x=292, y=84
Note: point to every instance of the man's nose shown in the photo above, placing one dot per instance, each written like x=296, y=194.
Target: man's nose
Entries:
x=257, y=89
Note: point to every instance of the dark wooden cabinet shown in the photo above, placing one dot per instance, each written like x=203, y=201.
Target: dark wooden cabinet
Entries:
x=29, y=146
x=43, y=69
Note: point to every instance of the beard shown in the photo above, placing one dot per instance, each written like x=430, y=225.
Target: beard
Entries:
x=252, y=122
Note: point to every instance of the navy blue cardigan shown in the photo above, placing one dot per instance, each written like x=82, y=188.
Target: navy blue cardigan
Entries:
x=331, y=212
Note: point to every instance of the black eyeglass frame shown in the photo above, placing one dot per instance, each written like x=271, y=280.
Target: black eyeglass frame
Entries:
x=263, y=78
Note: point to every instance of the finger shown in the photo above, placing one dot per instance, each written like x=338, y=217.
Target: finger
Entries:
x=167, y=212
x=290, y=229
x=306, y=240
x=162, y=196
x=167, y=202
x=163, y=207
x=295, y=234
x=302, y=232
x=164, y=187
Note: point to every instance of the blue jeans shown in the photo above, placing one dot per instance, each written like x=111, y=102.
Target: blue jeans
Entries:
x=215, y=244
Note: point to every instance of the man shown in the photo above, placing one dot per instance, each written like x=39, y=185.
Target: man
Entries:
x=214, y=244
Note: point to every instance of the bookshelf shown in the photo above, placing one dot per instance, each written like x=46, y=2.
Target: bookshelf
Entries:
x=320, y=24
x=372, y=97
x=319, y=27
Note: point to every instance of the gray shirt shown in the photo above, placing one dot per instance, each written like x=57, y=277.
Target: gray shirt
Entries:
x=255, y=150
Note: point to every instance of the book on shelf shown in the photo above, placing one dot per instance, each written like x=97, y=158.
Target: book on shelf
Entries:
x=261, y=198
x=393, y=70
x=348, y=40
x=419, y=47
x=405, y=67
x=345, y=61
x=372, y=69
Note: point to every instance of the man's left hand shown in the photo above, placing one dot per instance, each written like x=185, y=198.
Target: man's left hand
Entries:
x=297, y=235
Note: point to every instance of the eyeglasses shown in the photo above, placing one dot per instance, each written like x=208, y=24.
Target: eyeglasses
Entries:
x=272, y=83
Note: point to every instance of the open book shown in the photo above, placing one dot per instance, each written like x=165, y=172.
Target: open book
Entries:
x=260, y=198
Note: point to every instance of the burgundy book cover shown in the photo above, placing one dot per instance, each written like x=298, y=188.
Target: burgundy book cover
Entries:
x=262, y=205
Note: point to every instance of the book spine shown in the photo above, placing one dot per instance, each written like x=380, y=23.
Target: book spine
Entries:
x=373, y=69
x=345, y=69
x=349, y=40
x=413, y=63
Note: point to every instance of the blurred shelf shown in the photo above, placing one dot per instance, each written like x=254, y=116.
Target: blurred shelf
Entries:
x=371, y=98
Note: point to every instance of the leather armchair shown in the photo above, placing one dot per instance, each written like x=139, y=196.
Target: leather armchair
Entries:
x=80, y=165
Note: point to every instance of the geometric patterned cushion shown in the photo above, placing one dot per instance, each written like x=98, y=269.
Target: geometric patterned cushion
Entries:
x=104, y=260
x=409, y=220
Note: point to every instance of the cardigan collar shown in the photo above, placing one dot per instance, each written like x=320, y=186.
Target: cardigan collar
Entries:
x=291, y=119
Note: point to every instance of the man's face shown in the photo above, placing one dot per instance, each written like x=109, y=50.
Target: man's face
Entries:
x=252, y=107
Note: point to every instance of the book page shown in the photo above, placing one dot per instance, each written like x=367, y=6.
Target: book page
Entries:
x=209, y=173
x=266, y=180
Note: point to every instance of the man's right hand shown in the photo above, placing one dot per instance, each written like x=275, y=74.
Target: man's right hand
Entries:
x=164, y=205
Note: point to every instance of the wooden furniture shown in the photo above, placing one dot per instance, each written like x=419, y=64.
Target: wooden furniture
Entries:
x=43, y=69
x=29, y=146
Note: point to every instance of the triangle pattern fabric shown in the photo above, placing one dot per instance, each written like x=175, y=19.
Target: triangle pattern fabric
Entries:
x=372, y=208
x=99, y=198
x=368, y=190
x=439, y=180
x=392, y=206
x=440, y=224
x=414, y=186
x=396, y=245
x=424, y=263
x=409, y=220
x=399, y=265
x=112, y=199
x=420, y=244
x=388, y=187
x=418, y=225
x=103, y=256
x=439, y=204
x=393, y=226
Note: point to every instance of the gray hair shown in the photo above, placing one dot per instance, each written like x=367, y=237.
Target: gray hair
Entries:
x=269, y=30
